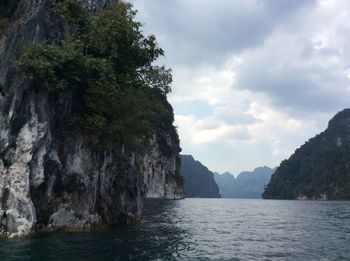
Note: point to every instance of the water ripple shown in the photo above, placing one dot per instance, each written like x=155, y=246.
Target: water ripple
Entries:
x=205, y=229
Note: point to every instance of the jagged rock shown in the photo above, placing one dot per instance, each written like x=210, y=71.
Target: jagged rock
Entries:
x=49, y=175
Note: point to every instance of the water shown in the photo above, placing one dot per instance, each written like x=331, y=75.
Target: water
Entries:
x=206, y=229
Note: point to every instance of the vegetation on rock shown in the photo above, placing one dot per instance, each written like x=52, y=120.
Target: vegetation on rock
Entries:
x=318, y=169
x=108, y=66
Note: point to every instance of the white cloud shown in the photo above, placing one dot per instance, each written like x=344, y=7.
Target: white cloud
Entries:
x=232, y=115
x=205, y=82
x=253, y=79
x=292, y=79
x=208, y=130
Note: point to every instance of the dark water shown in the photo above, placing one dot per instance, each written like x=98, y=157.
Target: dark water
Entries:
x=206, y=229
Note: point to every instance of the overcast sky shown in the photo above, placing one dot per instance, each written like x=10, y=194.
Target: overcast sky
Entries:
x=253, y=79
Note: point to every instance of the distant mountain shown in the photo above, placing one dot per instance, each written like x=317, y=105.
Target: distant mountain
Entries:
x=248, y=184
x=226, y=183
x=199, y=181
x=320, y=169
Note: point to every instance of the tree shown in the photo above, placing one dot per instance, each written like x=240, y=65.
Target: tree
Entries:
x=111, y=78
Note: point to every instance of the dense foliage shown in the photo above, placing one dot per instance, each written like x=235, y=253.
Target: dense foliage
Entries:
x=319, y=167
x=108, y=66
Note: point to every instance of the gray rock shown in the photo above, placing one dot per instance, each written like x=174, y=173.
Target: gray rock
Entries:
x=49, y=175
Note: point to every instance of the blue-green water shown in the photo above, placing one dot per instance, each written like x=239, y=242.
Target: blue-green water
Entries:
x=205, y=229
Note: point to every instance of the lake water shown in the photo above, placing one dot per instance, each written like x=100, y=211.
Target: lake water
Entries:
x=205, y=229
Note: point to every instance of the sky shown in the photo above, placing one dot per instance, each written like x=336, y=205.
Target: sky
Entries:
x=253, y=80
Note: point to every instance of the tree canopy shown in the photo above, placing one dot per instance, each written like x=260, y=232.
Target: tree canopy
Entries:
x=108, y=66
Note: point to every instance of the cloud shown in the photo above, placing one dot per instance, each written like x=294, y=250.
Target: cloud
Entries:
x=234, y=116
x=209, y=130
x=292, y=78
x=272, y=136
x=194, y=106
x=253, y=79
x=206, y=31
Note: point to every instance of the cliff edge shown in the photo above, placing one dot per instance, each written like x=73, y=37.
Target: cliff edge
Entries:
x=50, y=175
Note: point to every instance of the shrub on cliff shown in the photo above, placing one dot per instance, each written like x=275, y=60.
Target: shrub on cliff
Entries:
x=108, y=66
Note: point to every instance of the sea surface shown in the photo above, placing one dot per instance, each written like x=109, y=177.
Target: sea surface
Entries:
x=205, y=229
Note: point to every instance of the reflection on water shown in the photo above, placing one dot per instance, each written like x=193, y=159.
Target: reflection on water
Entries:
x=205, y=229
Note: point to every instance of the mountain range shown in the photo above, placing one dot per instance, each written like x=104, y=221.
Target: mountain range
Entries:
x=248, y=184
x=201, y=182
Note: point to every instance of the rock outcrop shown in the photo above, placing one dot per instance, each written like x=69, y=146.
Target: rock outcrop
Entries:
x=319, y=169
x=199, y=181
x=50, y=177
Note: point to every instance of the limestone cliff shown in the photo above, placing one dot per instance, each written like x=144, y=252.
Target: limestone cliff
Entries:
x=319, y=169
x=199, y=181
x=50, y=176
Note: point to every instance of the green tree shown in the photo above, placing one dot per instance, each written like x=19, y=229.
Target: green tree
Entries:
x=108, y=65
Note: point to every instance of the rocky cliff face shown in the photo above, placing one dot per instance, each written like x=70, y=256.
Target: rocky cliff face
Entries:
x=199, y=181
x=49, y=176
x=320, y=169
